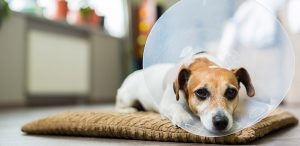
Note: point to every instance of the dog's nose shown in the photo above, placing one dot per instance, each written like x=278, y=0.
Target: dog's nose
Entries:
x=220, y=121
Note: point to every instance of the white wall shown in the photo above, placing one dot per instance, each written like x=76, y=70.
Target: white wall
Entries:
x=12, y=59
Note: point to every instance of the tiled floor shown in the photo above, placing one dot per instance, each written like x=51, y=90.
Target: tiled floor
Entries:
x=11, y=121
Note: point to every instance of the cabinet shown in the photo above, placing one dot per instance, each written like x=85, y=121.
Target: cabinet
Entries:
x=49, y=60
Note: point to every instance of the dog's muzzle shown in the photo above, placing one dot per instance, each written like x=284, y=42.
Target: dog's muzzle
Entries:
x=220, y=121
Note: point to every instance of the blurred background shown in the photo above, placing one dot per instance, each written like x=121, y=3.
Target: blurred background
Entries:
x=70, y=52
x=66, y=52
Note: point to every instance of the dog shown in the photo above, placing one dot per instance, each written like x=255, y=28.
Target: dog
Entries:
x=199, y=86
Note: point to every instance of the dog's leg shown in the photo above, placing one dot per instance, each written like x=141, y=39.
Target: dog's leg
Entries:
x=179, y=115
x=173, y=109
x=126, y=103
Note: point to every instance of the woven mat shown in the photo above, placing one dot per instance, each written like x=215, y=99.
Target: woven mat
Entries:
x=146, y=126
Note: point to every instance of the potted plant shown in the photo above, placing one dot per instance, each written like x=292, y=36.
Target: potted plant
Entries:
x=88, y=16
x=4, y=11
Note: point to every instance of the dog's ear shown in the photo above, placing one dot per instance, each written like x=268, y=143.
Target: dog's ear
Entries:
x=181, y=81
x=242, y=76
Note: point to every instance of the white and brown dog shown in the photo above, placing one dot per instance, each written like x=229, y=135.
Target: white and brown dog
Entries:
x=200, y=87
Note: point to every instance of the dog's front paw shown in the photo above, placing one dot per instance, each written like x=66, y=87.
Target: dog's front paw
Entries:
x=181, y=118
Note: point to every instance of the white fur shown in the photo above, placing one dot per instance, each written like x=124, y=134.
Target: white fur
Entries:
x=152, y=94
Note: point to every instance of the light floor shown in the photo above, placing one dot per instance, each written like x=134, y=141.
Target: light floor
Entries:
x=11, y=121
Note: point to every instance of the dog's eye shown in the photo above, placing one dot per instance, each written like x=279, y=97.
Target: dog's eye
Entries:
x=202, y=93
x=230, y=93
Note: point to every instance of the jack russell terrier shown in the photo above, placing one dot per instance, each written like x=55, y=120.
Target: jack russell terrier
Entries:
x=200, y=86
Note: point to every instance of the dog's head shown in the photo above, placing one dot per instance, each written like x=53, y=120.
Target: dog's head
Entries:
x=212, y=92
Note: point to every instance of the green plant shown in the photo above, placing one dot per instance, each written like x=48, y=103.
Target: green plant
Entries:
x=4, y=11
x=85, y=12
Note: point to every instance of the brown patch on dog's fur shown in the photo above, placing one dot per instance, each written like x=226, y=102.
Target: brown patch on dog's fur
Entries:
x=181, y=82
x=200, y=63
